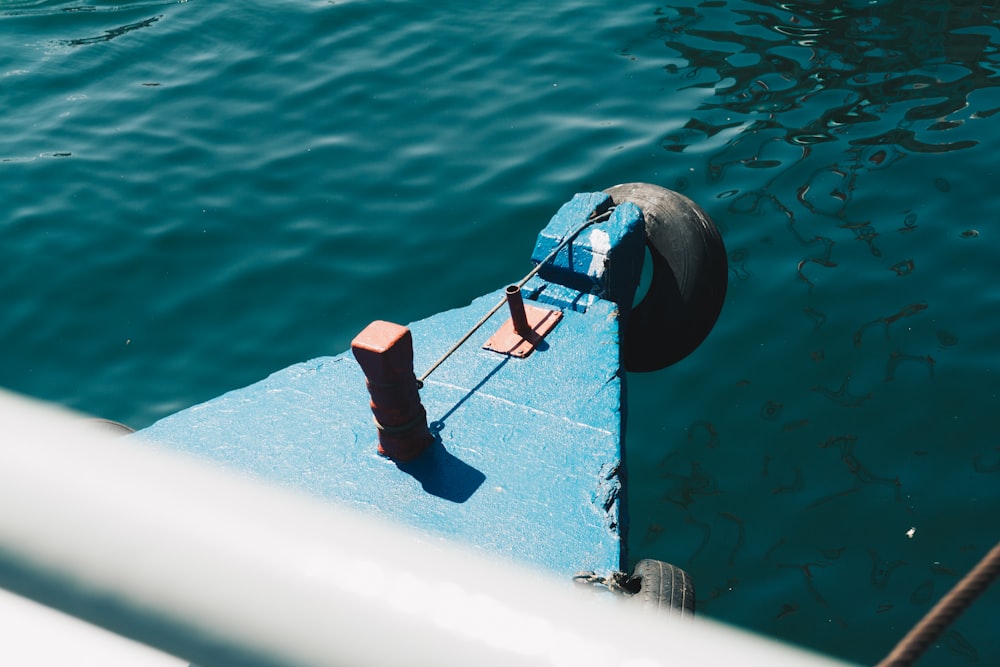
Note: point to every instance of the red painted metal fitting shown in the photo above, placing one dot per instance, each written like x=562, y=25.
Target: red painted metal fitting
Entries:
x=517, y=316
x=385, y=352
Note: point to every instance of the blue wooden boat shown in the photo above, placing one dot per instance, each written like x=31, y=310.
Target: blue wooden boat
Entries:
x=511, y=440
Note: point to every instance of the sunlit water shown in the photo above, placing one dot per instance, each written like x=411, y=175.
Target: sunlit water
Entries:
x=197, y=194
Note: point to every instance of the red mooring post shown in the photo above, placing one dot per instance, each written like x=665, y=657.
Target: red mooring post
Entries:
x=385, y=352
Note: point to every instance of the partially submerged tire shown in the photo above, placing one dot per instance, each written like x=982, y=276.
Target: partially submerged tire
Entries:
x=690, y=275
x=663, y=587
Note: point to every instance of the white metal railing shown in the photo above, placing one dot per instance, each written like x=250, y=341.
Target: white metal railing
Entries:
x=226, y=570
x=33, y=635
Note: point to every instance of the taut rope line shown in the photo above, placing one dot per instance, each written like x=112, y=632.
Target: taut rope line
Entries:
x=930, y=627
x=594, y=218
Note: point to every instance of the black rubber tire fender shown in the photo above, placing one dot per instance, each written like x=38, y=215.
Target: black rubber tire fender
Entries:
x=689, y=278
x=663, y=587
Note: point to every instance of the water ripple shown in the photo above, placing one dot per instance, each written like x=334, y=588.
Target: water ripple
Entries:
x=197, y=194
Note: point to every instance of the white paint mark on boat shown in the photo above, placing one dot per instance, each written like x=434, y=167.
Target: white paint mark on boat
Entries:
x=600, y=243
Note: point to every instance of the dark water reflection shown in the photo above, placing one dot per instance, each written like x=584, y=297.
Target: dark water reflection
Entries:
x=911, y=62
x=883, y=80
x=831, y=136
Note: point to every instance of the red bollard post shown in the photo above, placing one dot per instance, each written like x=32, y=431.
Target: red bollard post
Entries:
x=385, y=353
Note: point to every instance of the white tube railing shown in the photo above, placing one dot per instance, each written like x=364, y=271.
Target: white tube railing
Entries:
x=34, y=635
x=219, y=569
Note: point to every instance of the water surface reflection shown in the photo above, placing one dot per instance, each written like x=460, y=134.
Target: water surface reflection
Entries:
x=831, y=137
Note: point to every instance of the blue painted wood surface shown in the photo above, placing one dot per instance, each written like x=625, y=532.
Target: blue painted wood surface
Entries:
x=605, y=260
x=527, y=458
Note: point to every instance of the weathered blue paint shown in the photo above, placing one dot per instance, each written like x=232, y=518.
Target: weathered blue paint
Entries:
x=604, y=261
x=526, y=462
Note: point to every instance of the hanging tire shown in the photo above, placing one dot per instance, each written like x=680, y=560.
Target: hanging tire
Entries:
x=690, y=275
x=663, y=587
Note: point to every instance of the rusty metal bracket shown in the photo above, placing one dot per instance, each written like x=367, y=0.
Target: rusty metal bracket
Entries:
x=525, y=329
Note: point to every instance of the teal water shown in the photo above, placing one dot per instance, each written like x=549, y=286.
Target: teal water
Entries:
x=197, y=194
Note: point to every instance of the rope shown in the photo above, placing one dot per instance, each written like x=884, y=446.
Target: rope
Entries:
x=930, y=627
x=616, y=582
x=594, y=218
